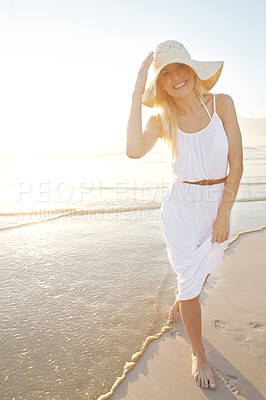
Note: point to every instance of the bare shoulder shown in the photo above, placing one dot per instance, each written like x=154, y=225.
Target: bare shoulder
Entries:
x=223, y=98
x=225, y=107
x=154, y=126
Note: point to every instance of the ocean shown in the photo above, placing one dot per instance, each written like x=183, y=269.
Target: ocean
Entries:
x=85, y=277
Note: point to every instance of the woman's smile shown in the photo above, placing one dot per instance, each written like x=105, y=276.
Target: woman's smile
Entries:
x=180, y=85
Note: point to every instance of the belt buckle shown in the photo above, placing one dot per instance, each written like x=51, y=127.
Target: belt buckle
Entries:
x=200, y=182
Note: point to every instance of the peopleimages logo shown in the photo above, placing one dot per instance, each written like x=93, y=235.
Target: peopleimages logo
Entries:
x=53, y=190
x=46, y=191
x=66, y=191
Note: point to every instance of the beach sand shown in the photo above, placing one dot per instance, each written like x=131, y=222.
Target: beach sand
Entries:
x=234, y=327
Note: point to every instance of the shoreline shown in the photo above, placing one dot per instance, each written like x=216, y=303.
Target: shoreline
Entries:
x=153, y=372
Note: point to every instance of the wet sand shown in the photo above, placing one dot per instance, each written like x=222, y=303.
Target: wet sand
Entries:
x=234, y=332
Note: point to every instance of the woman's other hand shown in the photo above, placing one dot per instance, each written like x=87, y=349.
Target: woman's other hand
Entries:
x=221, y=229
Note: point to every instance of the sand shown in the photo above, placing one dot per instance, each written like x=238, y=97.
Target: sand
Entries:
x=234, y=327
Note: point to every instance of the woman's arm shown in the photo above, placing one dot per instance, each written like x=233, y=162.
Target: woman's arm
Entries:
x=138, y=142
x=227, y=113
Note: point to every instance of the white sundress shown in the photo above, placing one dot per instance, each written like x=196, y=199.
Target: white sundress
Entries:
x=188, y=211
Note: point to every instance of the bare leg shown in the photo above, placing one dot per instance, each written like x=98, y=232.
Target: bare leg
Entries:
x=174, y=313
x=191, y=316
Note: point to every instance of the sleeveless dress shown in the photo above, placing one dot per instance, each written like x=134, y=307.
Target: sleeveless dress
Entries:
x=188, y=211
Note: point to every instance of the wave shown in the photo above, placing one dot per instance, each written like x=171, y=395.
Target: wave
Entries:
x=251, y=199
x=68, y=212
x=49, y=215
x=252, y=183
x=259, y=147
x=37, y=212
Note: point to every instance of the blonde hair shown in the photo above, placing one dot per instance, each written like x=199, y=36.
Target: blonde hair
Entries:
x=166, y=112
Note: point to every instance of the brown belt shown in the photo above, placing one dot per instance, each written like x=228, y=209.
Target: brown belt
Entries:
x=208, y=182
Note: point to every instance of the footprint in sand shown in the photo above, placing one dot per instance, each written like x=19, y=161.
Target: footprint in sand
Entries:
x=227, y=378
x=239, y=336
x=219, y=324
x=257, y=325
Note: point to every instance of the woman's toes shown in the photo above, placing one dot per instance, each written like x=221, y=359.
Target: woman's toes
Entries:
x=196, y=377
x=212, y=382
x=212, y=385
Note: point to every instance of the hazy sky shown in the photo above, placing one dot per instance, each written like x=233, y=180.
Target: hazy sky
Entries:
x=68, y=67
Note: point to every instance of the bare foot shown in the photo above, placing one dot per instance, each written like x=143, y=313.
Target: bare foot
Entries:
x=174, y=313
x=201, y=372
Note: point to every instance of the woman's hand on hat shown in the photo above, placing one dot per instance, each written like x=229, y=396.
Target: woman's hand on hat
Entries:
x=142, y=74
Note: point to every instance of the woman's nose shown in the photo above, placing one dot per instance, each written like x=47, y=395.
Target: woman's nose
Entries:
x=177, y=76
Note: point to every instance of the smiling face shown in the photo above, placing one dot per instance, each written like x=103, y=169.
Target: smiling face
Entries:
x=177, y=79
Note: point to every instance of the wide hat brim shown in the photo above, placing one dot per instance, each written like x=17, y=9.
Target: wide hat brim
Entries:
x=207, y=71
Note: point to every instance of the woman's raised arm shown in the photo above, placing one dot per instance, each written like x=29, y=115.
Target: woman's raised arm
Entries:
x=138, y=142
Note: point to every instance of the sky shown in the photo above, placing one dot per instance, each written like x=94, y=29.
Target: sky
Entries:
x=68, y=67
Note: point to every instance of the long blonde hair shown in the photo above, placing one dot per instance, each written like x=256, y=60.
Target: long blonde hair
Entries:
x=167, y=114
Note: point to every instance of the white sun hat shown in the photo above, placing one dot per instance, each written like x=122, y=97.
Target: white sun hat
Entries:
x=172, y=51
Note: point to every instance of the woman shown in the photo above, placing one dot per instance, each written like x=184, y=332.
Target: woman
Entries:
x=202, y=131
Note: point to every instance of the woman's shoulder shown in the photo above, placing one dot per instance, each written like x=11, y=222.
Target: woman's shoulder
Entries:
x=225, y=107
x=223, y=101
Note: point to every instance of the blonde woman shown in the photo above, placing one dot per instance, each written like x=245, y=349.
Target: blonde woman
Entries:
x=202, y=131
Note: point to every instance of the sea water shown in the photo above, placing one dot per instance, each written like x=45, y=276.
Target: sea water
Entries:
x=85, y=277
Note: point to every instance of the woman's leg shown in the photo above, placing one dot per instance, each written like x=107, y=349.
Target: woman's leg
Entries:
x=191, y=316
x=174, y=313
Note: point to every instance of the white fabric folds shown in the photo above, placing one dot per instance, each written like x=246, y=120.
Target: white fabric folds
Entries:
x=188, y=211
